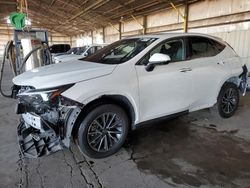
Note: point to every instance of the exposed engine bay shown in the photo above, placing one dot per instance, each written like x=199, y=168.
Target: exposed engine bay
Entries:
x=45, y=119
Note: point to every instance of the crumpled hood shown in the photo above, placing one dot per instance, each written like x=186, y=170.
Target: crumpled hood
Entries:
x=62, y=74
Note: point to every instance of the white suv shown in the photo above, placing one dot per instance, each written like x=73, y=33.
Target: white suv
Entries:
x=99, y=99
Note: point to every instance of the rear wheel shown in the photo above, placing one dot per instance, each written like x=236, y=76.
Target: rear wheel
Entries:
x=228, y=100
x=103, y=131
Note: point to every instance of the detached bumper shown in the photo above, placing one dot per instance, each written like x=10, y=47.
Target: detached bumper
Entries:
x=34, y=143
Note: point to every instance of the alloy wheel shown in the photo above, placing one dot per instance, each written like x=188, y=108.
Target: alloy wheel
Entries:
x=105, y=132
x=229, y=101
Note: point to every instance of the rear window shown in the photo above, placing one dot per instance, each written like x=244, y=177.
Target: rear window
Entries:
x=203, y=47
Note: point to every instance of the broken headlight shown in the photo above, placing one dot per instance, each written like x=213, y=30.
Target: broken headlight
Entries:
x=39, y=100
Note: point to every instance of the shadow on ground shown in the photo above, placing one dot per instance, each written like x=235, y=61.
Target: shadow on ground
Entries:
x=191, y=155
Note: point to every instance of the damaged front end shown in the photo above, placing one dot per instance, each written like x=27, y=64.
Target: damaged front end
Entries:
x=44, y=119
x=243, y=86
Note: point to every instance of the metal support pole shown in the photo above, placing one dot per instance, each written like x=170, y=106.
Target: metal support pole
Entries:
x=92, y=37
x=70, y=41
x=8, y=30
x=114, y=27
x=184, y=16
x=103, y=34
x=51, y=38
x=120, y=30
x=144, y=25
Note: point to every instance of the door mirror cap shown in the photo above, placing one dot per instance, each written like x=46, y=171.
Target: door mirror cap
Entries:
x=157, y=59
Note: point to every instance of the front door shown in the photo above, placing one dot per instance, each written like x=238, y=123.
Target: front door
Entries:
x=168, y=88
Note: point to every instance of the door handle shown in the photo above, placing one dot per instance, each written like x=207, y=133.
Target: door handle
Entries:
x=221, y=62
x=186, y=69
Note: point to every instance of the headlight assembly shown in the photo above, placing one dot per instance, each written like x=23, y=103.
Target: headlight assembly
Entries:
x=39, y=101
x=42, y=95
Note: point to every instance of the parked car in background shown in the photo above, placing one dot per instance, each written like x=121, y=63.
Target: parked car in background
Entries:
x=81, y=53
x=71, y=51
x=78, y=52
x=100, y=98
x=59, y=48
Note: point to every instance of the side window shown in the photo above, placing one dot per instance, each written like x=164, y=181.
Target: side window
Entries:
x=99, y=47
x=173, y=48
x=203, y=47
x=91, y=50
x=218, y=47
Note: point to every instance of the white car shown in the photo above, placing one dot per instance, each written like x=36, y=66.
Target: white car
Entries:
x=71, y=51
x=81, y=53
x=98, y=100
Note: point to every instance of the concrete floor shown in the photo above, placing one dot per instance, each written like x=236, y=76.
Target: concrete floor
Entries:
x=197, y=150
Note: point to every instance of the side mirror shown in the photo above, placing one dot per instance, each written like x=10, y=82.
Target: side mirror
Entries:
x=85, y=54
x=157, y=59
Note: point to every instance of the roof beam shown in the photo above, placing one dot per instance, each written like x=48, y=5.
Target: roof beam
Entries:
x=44, y=20
x=94, y=5
x=47, y=8
x=128, y=11
x=67, y=3
x=52, y=2
x=8, y=2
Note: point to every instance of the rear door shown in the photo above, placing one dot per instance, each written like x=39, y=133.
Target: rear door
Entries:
x=209, y=68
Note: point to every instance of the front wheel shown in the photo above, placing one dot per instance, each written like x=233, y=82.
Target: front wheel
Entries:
x=228, y=100
x=103, y=131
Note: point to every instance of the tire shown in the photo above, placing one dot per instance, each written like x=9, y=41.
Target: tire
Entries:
x=94, y=139
x=228, y=100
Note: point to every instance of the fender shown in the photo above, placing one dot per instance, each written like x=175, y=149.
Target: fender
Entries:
x=110, y=94
x=73, y=116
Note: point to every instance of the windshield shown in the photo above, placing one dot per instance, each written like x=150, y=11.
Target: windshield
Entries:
x=120, y=51
x=72, y=50
x=81, y=50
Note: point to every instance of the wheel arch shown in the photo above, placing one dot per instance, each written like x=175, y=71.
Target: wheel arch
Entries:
x=118, y=100
x=231, y=79
x=235, y=80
